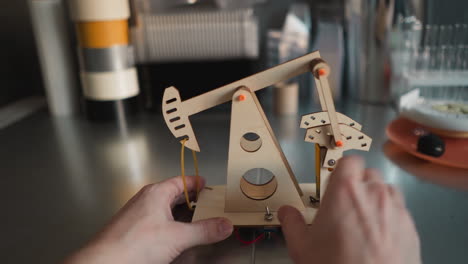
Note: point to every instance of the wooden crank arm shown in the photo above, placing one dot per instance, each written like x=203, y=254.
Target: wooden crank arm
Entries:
x=321, y=71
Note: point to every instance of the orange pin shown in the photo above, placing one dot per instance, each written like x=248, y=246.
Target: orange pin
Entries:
x=241, y=97
x=322, y=72
x=339, y=143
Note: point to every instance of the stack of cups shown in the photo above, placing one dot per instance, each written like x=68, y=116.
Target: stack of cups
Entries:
x=108, y=73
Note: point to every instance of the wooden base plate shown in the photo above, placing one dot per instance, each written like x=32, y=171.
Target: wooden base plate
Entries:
x=211, y=204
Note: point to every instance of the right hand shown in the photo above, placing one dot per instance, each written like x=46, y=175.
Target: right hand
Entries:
x=361, y=220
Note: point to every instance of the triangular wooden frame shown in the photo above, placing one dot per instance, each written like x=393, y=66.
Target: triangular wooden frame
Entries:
x=248, y=116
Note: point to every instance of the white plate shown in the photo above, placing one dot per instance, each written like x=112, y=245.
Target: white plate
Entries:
x=421, y=110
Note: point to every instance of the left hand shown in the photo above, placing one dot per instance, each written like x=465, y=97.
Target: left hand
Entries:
x=144, y=230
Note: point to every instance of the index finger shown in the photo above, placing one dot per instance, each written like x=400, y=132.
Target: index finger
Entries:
x=294, y=229
x=174, y=187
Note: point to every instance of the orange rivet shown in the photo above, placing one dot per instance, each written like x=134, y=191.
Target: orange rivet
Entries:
x=339, y=143
x=242, y=97
x=330, y=169
x=322, y=72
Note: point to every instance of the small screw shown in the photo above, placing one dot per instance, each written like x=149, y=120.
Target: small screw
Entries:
x=332, y=162
x=268, y=214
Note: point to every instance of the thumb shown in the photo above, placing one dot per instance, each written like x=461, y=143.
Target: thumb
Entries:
x=294, y=230
x=204, y=232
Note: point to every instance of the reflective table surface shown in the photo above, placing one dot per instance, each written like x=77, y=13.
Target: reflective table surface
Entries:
x=62, y=179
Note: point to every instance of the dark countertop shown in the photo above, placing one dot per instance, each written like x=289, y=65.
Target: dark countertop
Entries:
x=62, y=179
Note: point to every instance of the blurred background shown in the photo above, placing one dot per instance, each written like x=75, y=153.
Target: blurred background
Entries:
x=186, y=43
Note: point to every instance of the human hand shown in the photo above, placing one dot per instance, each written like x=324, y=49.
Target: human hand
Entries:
x=361, y=220
x=144, y=230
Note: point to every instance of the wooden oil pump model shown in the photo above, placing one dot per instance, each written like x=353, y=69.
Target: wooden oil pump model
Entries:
x=254, y=150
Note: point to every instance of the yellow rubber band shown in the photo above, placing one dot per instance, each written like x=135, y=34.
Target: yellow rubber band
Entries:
x=197, y=180
x=182, y=168
x=317, y=171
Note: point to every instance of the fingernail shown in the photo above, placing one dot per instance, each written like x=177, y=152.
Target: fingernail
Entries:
x=225, y=227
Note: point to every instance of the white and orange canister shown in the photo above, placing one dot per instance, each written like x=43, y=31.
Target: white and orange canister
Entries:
x=107, y=67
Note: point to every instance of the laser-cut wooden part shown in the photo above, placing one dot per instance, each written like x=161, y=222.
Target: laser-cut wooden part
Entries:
x=321, y=118
x=332, y=131
x=211, y=204
x=224, y=94
x=248, y=117
x=354, y=139
x=326, y=169
x=321, y=70
x=177, y=119
x=315, y=65
x=330, y=155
